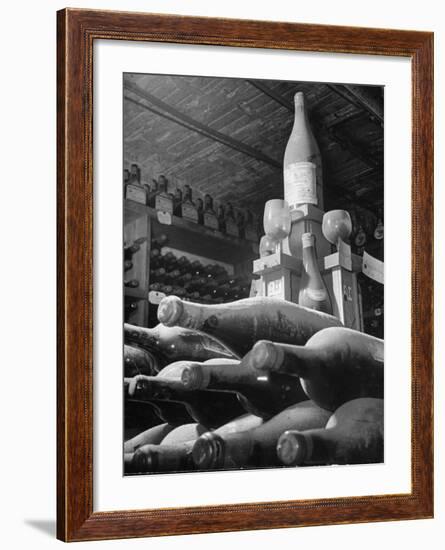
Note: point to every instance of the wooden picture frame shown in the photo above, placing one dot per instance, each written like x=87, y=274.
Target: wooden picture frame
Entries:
x=77, y=31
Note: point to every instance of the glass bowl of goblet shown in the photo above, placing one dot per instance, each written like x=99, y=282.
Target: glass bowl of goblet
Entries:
x=337, y=225
x=277, y=220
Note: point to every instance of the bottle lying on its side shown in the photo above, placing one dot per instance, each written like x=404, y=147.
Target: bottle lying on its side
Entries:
x=257, y=446
x=262, y=394
x=336, y=365
x=242, y=323
x=209, y=408
x=175, y=343
x=177, y=455
x=353, y=435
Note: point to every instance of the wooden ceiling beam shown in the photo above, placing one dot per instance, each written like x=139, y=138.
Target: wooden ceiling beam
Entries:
x=160, y=108
x=345, y=142
x=359, y=97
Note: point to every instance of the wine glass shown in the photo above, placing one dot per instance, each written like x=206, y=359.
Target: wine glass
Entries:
x=277, y=220
x=337, y=225
x=268, y=246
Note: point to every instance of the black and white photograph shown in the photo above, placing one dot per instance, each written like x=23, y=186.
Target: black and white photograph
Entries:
x=253, y=280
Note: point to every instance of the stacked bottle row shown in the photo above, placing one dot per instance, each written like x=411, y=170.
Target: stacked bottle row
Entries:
x=254, y=383
x=192, y=280
x=224, y=218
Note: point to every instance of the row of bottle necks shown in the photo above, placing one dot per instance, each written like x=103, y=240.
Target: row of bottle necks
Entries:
x=301, y=435
x=337, y=369
x=225, y=219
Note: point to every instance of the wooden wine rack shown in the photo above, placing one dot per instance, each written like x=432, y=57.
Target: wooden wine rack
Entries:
x=185, y=236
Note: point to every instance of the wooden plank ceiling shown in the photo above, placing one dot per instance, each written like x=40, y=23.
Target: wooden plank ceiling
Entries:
x=227, y=137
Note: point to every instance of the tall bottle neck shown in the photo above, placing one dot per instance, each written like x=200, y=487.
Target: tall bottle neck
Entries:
x=309, y=256
x=300, y=115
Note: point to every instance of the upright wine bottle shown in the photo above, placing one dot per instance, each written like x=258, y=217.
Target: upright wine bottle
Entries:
x=302, y=170
x=210, y=219
x=175, y=343
x=163, y=199
x=336, y=365
x=170, y=456
x=353, y=435
x=200, y=211
x=313, y=292
x=257, y=446
x=231, y=225
x=241, y=224
x=261, y=394
x=221, y=219
x=242, y=323
x=177, y=203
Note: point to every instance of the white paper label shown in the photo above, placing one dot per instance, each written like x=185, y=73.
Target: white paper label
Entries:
x=210, y=220
x=164, y=204
x=318, y=295
x=232, y=228
x=164, y=217
x=274, y=288
x=136, y=193
x=189, y=212
x=373, y=268
x=300, y=184
x=155, y=297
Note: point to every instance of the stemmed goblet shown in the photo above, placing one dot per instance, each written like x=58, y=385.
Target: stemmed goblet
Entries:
x=276, y=221
x=337, y=226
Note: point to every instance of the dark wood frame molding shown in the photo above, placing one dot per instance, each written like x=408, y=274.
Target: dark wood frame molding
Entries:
x=77, y=30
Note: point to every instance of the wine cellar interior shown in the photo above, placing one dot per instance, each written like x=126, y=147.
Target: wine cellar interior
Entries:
x=202, y=157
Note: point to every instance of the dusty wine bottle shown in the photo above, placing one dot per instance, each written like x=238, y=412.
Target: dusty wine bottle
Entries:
x=177, y=203
x=302, y=169
x=211, y=409
x=130, y=249
x=170, y=455
x=256, y=446
x=177, y=343
x=261, y=394
x=313, y=292
x=160, y=458
x=242, y=323
x=188, y=208
x=210, y=219
x=132, y=283
x=139, y=361
x=336, y=365
x=128, y=264
x=180, y=434
x=152, y=436
x=170, y=412
x=353, y=435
